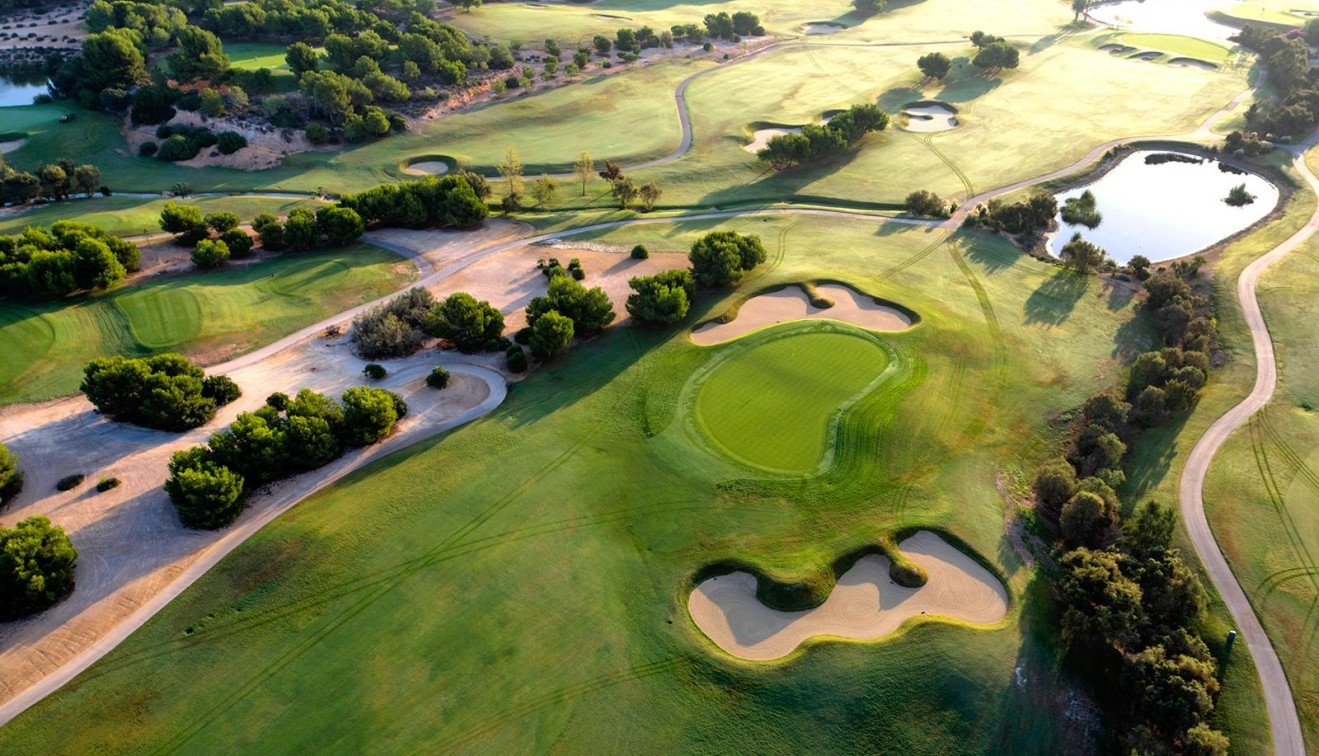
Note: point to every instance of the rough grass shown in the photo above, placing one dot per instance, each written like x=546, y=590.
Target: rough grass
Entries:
x=536, y=561
x=753, y=405
x=209, y=315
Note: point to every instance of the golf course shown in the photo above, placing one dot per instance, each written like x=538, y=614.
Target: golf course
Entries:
x=630, y=376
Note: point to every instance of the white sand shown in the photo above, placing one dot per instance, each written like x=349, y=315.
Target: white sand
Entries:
x=850, y=306
x=928, y=118
x=821, y=27
x=760, y=139
x=7, y=147
x=864, y=605
x=427, y=168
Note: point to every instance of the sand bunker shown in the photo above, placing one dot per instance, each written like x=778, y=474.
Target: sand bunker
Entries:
x=1116, y=49
x=929, y=116
x=822, y=27
x=864, y=605
x=427, y=168
x=10, y=146
x=1147, y=56
x=760, y=139
x=1193, y=63
x=850, y=306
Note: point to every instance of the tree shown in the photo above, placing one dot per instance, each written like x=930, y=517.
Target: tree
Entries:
x=469, y=324
x=721, y=257
x=551, y=334
x=602, y=44
x=210, y=253
x=1054, y=485
x=1086, y=520
x=301, y=58
x=624, y=190
x=253, y=447
x=36, y=567
x=510, y=168
x=164, y=391
x=339, y=225
x=238, y=242
x=650, y=194
x=369, y=414
x=543, y=189
x=923, y=202
x=184, y=221
x=11, y=477
x=996, y=57
x=1082, y=255
x=301, y=232
x=869, y=7
x=108, y=60
x=589, y=309
x=934, y=65
x=1201, y=740
x=206, y=495
x=1100, y=606
x=611, y=172
x=438, y=378
x=466, y=5
x=1079, y=8
x=583, y=169
x=662, y=299
x=222, y=221
x=270, y=230
x=982, y=40
x=199, y=56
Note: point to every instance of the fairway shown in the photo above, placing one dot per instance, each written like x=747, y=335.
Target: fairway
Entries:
x=208, y=315
x=753, y=406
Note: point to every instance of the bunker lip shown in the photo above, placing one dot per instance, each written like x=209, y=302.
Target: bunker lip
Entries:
x=1203, y=65
x=428, y=165
x=865, y=604
x=760, y=137
x=792, y=303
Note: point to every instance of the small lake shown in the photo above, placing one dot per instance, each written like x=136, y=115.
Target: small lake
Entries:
x=1166, y=210
x=1165, y=17
x=19, y=90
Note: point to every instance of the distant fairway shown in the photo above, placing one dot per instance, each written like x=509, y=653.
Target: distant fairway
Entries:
x=221, y=313
x=755, y=408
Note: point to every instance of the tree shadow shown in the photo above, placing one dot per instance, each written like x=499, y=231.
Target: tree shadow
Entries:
x=893, y=100
x=993, y=258
x=1052, y=303
x=1120, y=293
x=1049, y=40
x=969, y=84
x=1149, y=462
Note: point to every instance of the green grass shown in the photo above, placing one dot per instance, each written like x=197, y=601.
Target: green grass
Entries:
x=1276, y=14
x=1174, y=45
x=752, y=405
x=208, y=315
x=130, y=216
x=529, y=594
x=253, y=55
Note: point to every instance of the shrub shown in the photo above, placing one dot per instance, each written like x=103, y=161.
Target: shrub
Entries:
x=902, y=570
x=238, y=242
x=640, y=252
x=369, y=414
x=163, y=391
x=721, y=257
x=923, y=202
x=36, y=567
x=105, y=484
x=176, y=148
x=438, y=378
x=461, y=319
x=589, y=309
x=206, y=495
x=221, y=389
x=375, y=371
x=222, y=221
x=210, y=253
x=551, y=334
x=516, y=360
x=229, y=142
x=394, y=328
x=663, y=298
x=318, y=134
x=147, y=149
x=70, y=482
x=11, y=478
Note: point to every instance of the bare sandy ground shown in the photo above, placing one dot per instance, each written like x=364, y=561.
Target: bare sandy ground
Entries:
x=822, y=27
x=760, y=139
x=850, y=306
x=864, y=605
x=49, y=28
x=266, y=148
x=929, y=118
x=427, y=168
x=131, y=546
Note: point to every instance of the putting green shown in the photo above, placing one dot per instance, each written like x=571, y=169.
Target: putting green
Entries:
x=160, y=318
x=753, y=406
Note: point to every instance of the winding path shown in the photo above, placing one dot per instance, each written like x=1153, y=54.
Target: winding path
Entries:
x=1283, y=719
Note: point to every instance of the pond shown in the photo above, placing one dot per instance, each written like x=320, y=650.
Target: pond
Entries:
x=1165, y=210
x=20, y=90
x=1165, y=17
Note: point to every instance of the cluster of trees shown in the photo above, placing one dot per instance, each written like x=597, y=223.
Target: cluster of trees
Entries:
x=1248, y=144
x=157, y=23
x=817, y=142
x=661, y=299
x=926, y=203
x=1083, y=255
x=993, y=53
x=1082, y=210
x=720, y=258
x=36, y=567
x=67, y=257
x=454, y=200
x=567, y=310
x=11, y=477
x=1031, y=214
x=310, y=20
x=209, y=484
x=51, y=182
x=1288, y=59
x=734, y=27
x=165, y=391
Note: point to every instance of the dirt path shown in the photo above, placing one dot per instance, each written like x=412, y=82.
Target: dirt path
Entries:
x=1283, y=719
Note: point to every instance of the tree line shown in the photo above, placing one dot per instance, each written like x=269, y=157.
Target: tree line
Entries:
x=50, y=182
x=819, y=142
x=1288, y=60
x=50, y=263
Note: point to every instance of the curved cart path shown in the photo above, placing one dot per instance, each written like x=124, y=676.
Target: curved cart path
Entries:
x=1283, y=719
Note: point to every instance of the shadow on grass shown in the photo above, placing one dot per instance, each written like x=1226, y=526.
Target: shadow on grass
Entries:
x=1052, y=303
x=994, y=258
x=1149, y=462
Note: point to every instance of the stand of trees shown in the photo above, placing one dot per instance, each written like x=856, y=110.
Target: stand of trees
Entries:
x=661, y=299
x=451, y=201
x=67, y=257
x=209, y=485
x=816, y=142
x=926, y=203
x=50, y=181
x=1288, y=59
x=1128, y=603
x=165, y=391
x=36, y=567
x=1031, y=214
x=720, y=258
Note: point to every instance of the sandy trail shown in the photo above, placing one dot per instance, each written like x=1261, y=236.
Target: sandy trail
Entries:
x=765, y=310
x=864, y=605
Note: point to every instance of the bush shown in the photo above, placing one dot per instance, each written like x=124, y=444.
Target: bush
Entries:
x=393, y=329
x=467, y=323
x=238, y=242
x=229, y=142
x=369, y=414
x=438, y=378
x=105, y=484
x=318, y=134
x=375, y=371
x=926, y=203
x=589, y=309
x=11, y=478
x=551, y=334
x=147, y=149
x=721, y=257
x=36, y=567
x=206, y=495
x=163, y=391
x=222, y=221
x=176, y=148
x=640, y=252
x=210, y=253
x=220, y=389
x=516, y=360
x=661, y=299
x=70, y=482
